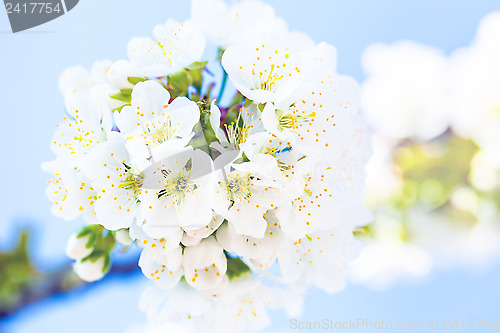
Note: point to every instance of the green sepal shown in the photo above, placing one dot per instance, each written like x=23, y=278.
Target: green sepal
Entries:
x=242, y=159
x=201, y=140
x=94, y=231
x=125, y=95
x=83, y=232
x=248, y=102
x=96, y=255
x=206, y=126
x=278, y=113
x=220, y=53
x=119, y=109
x=134, y=80
x=94, y=238
x=236, y=268
x=108, y=243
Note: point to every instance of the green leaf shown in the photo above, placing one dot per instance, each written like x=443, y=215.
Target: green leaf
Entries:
x=124, y=97
x=119, y=109
x=179, y=83
x=194, y=70
x=196, y=79
x=134, y=80
x=197, y=65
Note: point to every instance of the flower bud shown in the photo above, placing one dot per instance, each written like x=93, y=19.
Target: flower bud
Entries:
x=122, y=236
x=76, y=248
x=90, y=270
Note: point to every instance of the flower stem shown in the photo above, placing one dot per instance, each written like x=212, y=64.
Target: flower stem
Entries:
x=223, y=86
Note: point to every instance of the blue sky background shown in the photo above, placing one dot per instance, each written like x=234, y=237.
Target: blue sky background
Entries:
x=31, y=106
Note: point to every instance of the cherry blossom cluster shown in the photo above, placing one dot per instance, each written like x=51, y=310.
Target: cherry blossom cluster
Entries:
x=220, y=195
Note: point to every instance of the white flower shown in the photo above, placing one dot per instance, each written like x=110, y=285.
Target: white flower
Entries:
x=117, y=182
x=204, y=264
x=89, y=125
x=76, y=248
x=182, y=196
x=244, y=200
x=247, y=302
x=236, y=133
x=192, y=237
x=263, y=72
x=207, y=230
x=315, y=117
x=263, y=251
x=70, y=192
x=76, y=79
x=92, y=270
x=76, y=82
x=177, y=305
x=405, y=94
x=169, y=242
x=162, y=266
x=189, y=240
x=175, y=46
x=319, y=258
x=270, y=158
x=226, y=26
x=122, y=236
x=313, y=200
x=120, y=71
x=320, y=62
x=243, y=304
x=153, y=126
x=476, y=85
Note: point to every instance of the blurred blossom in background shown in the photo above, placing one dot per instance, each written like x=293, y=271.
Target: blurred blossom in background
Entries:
x=433, y=181
x=430, y=77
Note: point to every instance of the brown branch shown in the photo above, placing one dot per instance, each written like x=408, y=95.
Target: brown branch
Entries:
x=62, y=281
